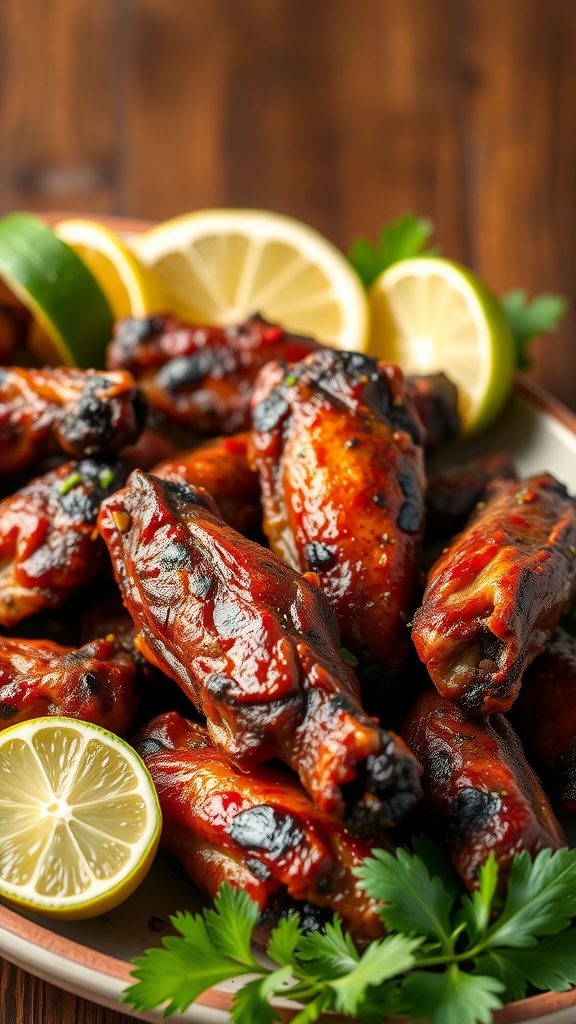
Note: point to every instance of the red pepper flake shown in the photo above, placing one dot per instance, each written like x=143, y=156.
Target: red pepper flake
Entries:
x=235, y=445
x=122, y=521
x=271, y=335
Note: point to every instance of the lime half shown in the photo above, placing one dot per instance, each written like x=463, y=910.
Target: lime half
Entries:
x=73, y=321
x=430, y=314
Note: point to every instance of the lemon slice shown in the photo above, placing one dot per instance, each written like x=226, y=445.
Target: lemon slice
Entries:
x=72, y=318
x=220, y=266
x=430, y=314
x=131, y=288
x=79, y=818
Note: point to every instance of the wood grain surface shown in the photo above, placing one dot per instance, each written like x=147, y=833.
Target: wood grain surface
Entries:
x=341, y=114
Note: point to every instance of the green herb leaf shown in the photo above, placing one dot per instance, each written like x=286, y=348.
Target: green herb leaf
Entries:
x=251, y=1001
x=415, y=902
x=550, y=965
x=330, y=953
x=72, y=480
x=477, y=908
x=541, y=899
x=407, y=236
x=380, y=961
x=497, y=965
x=231, y=923
x=452, y=997
x=438, y=863
x=528, y=319
x=284, y=939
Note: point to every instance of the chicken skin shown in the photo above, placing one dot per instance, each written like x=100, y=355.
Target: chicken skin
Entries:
x=338, y=450
x=496, y=595
x=65, y=410
x=49, y=545
x=96, y=682
x=479, y=786
x=221, y=466
x=201, y=377
x=545, y=717
x=453, y=492
x=256, y=647
x=262, y=823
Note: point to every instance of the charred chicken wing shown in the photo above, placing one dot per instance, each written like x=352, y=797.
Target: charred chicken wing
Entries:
x=95, y=683
x=49, y=544
x=453, y=491
x=263, y=823
x=79, y=412
x=338, y=451
x=435, y=399
x=496, y=595
x=478, y=784
x=221, y=466
x=201, y=377
x=545, y=717
x=255, y=645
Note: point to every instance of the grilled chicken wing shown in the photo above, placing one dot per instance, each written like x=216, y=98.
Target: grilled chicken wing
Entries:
x=453, y=491
x=338, y=451
x=435, y=399
x=49, y=545
x=545, y=717
x=221, y=466
x=262, y=823
x=255, y=645
x=95, y=682
x=201, y=377
x=478, y=784
x=79, y=412
x=496, y=595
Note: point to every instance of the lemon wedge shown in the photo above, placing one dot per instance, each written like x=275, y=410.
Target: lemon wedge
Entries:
x=72, y=320
x=79, y=818
x=131, y=288
x=430, y=314
x=220, y=266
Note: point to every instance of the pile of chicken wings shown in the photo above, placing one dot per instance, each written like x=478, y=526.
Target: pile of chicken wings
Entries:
x=217, y=547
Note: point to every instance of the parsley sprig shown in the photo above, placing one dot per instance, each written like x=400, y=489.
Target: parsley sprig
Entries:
x=409, y=236
x=448, y=955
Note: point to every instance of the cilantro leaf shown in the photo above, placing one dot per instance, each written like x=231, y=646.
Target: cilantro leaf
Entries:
x=414, y=901
x=179, y=971
x=452, y=997
x=527, y=319
x=497, y=964
x=477, y=907
x=283, y=940
x=380, y=961
x=310, y=1013
x=438, y=863
x=551, y=964
x=407, y=236
x=541, y=899
x=251, y=1001
x=231, y=923
x=330, y=953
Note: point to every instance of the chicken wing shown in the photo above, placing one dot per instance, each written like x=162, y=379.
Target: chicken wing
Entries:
x=255, y=645
x=96, y=682
x=262, y=823
x=479, y=786
x=453, y=492
x=201, y=377
x=49, y=545
x=435, y=398
x=221, y=466
x=496, y=595
x=79, y=412
x=338, y=450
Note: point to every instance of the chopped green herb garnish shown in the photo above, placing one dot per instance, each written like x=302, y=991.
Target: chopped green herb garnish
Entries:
x=106, y=477
x=348, y=657
x=72, y=480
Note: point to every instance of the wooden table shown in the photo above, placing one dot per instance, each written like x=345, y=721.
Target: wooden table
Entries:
x=343, y=115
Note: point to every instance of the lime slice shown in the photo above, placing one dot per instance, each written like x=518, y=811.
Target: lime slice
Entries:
x=430, y=314
x=220, y=266
x=131, y=288
x=79, y=818
x=72, y=318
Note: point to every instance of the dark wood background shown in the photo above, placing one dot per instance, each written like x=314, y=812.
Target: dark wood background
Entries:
x=341, y=113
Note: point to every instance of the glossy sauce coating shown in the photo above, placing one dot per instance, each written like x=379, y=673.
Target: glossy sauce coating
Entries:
x=78, y=412
x=478, y=784
x=255, y=646
x=338, y=450
x=262, y=823
x=545, y=717
x=496, y=595
x=221, y=466
x=198, y=376
x=49, y=544
x=95, y=683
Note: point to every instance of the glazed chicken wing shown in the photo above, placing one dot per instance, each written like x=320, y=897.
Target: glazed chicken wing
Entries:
x=201, y=377
x=95, y=683
x=338, y=450
x=255, y=645
x=479, y=786
x=78, y=412
x=496, y=595
x=49, y=544
x=262, y=823
x=221, y=466
x=435, y=398
x=453, y=491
